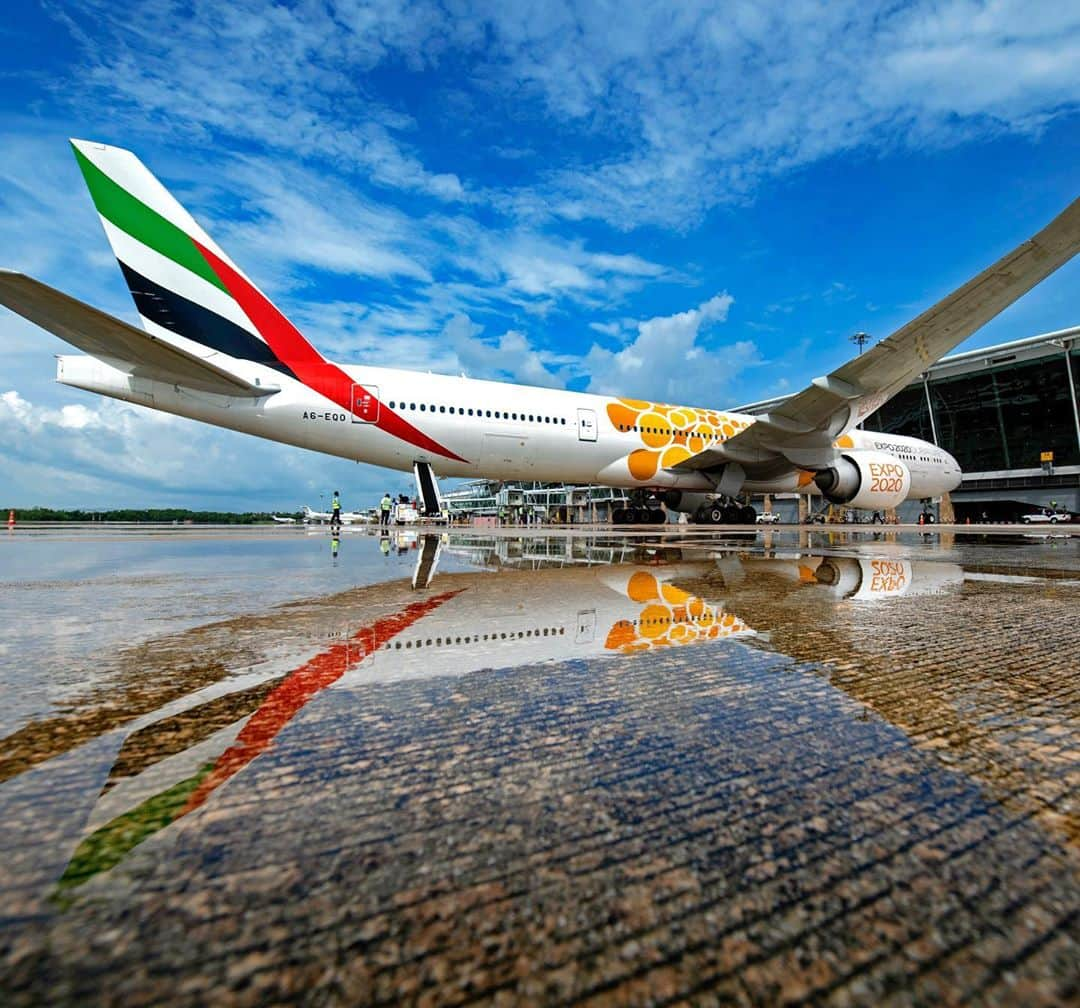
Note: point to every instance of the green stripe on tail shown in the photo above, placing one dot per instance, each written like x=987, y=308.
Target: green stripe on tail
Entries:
x=135, y=218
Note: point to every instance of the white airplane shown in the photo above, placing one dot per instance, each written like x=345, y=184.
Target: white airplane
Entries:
x=347, y=517
x=215, y=349
x=283, y=521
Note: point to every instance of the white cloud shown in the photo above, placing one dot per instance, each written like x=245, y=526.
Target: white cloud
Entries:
x=508, y=358
x=293, y=218
x=701, y=102
x=660, y=112
x=109, y=454
x=287, y=77
x=669, y=361
x=48, y=227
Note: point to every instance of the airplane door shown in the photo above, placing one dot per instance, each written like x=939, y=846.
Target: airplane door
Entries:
x=586, y=425
x=586, y=626
x=365, y=404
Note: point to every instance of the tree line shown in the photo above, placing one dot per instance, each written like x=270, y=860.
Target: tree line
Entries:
x=41, y=514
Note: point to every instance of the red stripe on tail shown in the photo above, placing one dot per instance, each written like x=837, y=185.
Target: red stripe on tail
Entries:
x=296, y=353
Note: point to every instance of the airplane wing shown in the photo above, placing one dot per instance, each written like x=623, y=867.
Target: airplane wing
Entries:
x=803, y=426
x=115, y=342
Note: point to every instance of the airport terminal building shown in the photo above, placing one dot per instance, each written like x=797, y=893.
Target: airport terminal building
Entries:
x=1007, y=413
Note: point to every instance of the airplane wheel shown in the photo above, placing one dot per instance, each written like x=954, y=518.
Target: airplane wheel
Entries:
x=732, y=515
x=747, y=515
x=716, y=515
x=620, y=516
x=657, y=516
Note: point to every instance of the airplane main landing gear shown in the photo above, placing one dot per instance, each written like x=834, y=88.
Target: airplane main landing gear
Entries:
x=638, y=516
x=730, y=513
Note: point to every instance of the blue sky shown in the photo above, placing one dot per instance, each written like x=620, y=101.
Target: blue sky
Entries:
x=695, y=202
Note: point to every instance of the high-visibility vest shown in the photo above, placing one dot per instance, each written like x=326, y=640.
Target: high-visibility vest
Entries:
x=385, y=504
x=336, y=502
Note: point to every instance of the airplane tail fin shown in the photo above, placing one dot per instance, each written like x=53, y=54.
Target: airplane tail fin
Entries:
x=183, y=284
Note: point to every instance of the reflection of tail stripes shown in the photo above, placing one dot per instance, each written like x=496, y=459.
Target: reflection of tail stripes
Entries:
x=281, y=706
x=107, y=846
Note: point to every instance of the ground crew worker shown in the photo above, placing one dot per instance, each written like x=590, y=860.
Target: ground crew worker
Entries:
x=335, y=510
x=502, y=516
x=384, y=509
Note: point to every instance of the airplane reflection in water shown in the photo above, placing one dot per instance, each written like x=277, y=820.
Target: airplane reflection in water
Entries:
x=469, y=623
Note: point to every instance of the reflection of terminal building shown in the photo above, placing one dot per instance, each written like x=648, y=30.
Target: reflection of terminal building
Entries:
x=538, y=503
x=999, y=411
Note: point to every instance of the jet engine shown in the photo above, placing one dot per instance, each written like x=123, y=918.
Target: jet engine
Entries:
x=870, y=480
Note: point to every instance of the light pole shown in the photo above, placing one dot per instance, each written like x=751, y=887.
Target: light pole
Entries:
x=860, y=339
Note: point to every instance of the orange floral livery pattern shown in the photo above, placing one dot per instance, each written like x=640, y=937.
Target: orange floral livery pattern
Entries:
x=671, y=617
x=670, y=434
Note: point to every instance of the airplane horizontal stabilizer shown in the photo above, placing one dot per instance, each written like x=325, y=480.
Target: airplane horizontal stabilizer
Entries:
x=115, y=342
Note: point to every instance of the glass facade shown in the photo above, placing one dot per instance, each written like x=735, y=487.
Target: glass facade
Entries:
x=905, y=413
x=1002, y=417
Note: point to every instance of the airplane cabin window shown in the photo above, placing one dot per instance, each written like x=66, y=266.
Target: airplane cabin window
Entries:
x=422, y=406
x=442, y=409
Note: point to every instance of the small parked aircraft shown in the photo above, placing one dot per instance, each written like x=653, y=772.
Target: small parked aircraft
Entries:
x=347, y=517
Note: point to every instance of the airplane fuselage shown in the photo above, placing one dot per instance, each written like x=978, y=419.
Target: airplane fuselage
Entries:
x=475, y=428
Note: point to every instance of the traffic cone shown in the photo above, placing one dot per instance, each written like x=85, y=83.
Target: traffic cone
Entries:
x=11, y=519
x=922, y=517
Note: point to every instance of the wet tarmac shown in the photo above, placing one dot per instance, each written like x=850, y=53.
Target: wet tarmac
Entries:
x=768, y=767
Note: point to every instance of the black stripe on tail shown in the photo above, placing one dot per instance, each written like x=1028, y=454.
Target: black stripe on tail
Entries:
x=186, y=318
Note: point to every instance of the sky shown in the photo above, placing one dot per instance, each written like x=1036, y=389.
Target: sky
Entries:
x=687, y=202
